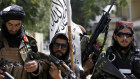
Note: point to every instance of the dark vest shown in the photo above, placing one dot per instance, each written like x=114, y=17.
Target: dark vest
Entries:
x=126, y=63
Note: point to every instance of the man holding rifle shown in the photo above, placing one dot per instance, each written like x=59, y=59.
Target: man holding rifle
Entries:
x=88, y=68
x=59, y=48
x=123, y=53
x=15, y=45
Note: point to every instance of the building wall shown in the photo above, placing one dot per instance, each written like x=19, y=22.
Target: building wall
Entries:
x=130, y=12
x=135, y=10
x=39, y=39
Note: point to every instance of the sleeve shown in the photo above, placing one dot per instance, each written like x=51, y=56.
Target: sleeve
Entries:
x=32, y=43
x=84, y=41
x=35, y=54
x=39, y=70
x=136, y=65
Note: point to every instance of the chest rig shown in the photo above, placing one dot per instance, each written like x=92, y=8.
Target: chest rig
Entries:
x=14, y=58
x=122, y=61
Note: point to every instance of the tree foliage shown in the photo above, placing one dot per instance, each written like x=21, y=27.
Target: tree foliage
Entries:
x=123, y=3
x=84, y=10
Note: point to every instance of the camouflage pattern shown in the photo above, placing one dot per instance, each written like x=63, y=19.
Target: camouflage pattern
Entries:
x=84, y=42
x=13, y=62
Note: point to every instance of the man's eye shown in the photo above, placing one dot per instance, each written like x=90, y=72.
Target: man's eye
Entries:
x=9, y=24
x=18, y=25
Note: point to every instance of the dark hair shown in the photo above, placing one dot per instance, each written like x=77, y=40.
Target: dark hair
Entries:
x=62, y=37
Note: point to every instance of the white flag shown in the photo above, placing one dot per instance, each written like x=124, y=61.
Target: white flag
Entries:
x=59, y=24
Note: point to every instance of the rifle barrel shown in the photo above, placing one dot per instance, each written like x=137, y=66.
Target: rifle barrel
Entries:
x=111, y=5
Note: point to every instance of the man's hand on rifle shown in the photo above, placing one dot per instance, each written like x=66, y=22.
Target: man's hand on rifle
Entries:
x=31, y=66
x=88, y=65
x=54, y=72
x=97, y=45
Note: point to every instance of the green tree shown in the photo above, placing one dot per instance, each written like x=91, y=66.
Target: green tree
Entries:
x=84, y=10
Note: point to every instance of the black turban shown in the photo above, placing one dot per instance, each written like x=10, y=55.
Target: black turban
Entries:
x=13, y=12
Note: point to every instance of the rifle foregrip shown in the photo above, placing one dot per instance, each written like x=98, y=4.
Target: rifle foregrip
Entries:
x=68, y=71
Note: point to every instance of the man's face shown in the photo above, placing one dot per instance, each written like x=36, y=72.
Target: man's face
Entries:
x=60, y=47
x=124, y=37
x=13, y=26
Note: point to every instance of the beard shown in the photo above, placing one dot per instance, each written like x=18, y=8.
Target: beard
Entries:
x=124, y=41
x=60, y=57
x=12, y=32
x=119, y=47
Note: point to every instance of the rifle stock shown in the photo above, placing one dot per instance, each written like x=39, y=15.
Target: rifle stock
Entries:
x=60, y=64
x=101, y=27
x=105, y=65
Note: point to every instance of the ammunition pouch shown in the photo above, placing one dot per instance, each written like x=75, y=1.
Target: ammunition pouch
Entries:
x=15, y=69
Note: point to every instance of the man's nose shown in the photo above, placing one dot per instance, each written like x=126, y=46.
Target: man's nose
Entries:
x=59, y=48
x=14, y=28
x=124, y=37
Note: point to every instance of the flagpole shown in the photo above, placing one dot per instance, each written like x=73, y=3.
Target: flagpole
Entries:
x=69, y=33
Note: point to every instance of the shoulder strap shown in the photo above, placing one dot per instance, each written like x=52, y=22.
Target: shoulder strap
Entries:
x=136, y=55
x=110, y=55
x=109, y=50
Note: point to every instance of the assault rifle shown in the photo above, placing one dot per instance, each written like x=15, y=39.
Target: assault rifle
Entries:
x=103, y=64
x=2, y=67
x=101, y=27
x=60, y=64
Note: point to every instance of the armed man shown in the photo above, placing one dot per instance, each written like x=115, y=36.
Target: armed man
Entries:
x=18, y=51
x=88, y=64
x=123, y=53
x=59, y=55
